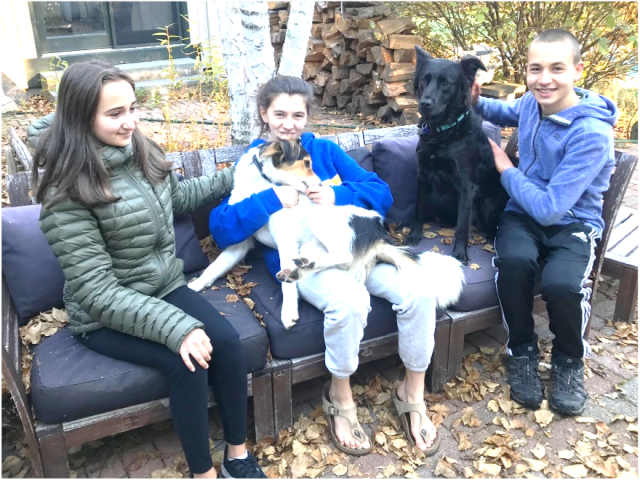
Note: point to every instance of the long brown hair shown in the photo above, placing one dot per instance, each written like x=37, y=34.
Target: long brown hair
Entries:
x=68, y=151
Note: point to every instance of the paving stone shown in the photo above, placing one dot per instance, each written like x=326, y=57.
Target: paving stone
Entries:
x=113, y=468
x=481, y=339
x=610, y=364
x=596, y=409
x=168, y=444
x=619, y=406
x=146, y=470
x=605, y=308
x=598, y=385
x=174, y=460
x=136, y=457
x=631, y=389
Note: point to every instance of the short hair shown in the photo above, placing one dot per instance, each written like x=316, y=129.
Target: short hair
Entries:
x=559, y=35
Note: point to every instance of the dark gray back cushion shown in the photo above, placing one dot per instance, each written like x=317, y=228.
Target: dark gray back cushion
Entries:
x=394, y=160
x=32, y=272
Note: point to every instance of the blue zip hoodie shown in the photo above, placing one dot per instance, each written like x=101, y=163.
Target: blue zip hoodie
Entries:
x=566, y=159
x=352, y=185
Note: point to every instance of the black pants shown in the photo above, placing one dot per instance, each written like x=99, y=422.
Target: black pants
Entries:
x=562, y=258
x=227, y=375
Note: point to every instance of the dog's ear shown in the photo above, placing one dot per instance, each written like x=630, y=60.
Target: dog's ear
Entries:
x=470, y=66
x=272, y=150
x=421, y=56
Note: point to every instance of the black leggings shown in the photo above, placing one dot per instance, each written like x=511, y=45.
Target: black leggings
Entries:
x=227, y=375
x=562, y=257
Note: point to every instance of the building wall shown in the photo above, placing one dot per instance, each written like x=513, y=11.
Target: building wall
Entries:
x=16, y=40
x=203, y=23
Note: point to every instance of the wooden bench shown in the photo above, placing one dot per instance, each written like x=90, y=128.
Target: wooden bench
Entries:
x=621, y=261
x=272, y=387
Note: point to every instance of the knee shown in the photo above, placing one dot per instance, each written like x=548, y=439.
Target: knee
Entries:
x=353, y=305
x=555, y=287
x=515, y=263
x=225, y=341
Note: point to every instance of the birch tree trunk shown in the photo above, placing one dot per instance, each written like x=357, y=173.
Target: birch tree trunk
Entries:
x=260, y=55
x=234, y=52
x=297, y=38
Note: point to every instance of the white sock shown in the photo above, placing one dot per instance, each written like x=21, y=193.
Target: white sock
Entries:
x=241, y=457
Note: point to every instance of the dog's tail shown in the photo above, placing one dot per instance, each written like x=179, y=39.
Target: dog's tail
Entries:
x=440, y=275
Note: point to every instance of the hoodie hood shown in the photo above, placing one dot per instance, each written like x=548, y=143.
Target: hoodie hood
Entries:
x=592, y=105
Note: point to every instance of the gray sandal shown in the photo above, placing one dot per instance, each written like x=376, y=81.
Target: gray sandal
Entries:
x=350, y=414
x=404, y=409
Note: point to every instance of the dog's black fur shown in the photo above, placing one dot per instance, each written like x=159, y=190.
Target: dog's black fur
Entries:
x=457, y=179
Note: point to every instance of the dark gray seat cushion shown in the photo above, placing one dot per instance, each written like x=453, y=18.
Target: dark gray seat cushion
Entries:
x=480, y=288
x=70, y=381
x=307, y=336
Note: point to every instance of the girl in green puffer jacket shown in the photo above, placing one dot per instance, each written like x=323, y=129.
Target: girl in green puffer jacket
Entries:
x=108, y=200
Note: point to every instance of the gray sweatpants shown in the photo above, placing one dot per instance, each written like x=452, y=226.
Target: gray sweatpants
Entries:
x=346, y=304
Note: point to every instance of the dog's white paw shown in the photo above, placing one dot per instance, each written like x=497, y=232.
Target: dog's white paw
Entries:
x=303, y=262
x=198, y=285
x=288, y=275
x=289, y=316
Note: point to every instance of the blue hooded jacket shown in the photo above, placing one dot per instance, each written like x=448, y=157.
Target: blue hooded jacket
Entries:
x=566, y=159
x=352, y=185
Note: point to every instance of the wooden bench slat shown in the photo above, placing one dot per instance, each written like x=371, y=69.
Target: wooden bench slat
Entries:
x=627, y=246
x=625, y=225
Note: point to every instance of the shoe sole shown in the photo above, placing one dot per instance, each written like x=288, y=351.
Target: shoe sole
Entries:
x=563, y=411
x=225, y=473
x=525, y=404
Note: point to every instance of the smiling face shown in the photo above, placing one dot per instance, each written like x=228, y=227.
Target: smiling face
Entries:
x=551, y=75
x=117, y=115
x=286, y=117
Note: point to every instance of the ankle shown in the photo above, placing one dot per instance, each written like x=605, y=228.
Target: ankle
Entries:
x=235, y=451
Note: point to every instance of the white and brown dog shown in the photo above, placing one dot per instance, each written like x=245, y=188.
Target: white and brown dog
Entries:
x=311, y=237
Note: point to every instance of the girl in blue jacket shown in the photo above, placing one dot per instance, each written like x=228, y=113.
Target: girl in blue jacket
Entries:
x=283, y=105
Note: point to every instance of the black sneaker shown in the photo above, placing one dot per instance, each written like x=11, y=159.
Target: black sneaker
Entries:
x=524, y=380
x=245, y=468
x=568, y=395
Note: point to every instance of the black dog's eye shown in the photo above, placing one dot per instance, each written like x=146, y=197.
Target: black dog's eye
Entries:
x=307, y=164
x=423, y=82
x=445, y=83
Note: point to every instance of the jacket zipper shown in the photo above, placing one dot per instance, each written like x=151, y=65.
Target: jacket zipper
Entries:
x=157, y=258
x=535, y=153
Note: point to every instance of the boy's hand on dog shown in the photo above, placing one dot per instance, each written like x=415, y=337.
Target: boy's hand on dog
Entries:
x=476, y=89
x=500, y=158
x=288, y=195
x=321, y=195
x=197, y=345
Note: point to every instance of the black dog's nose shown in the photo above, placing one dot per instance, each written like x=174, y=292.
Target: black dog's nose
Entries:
x=426, y=103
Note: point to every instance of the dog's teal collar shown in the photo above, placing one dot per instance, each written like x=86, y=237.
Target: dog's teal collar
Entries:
x=425, y=129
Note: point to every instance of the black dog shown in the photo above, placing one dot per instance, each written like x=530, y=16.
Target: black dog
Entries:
x=457, y=180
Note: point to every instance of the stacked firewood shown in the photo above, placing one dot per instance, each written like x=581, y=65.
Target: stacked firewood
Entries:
x=359, y=58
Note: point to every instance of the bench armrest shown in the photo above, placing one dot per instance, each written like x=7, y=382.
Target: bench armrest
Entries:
x=12, y=375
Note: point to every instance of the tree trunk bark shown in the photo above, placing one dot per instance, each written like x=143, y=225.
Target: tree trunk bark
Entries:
x=297, y=39
x=234, y=53
x=260, y=55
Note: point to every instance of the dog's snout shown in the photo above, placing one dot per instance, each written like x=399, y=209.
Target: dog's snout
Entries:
x=426, y=103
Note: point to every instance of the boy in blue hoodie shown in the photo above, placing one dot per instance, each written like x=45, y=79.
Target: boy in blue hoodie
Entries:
x=554, y=216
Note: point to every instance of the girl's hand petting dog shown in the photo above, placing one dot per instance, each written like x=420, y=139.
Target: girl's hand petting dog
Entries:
x=288, y=195
x=500, y=158
x=321, y=195
x=198, y=345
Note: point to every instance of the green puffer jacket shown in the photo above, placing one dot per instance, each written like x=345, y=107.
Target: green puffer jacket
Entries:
x=120, y=259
